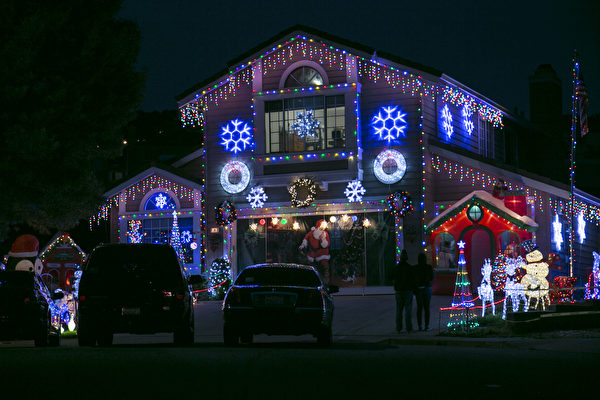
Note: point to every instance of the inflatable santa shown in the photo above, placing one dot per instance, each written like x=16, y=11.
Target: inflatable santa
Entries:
x=23, y=255
x=317, y=243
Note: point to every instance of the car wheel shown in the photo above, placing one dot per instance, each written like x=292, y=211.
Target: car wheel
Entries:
x=230, y=336
x=184, y=336
x=54, y=340
x=42, y=338
x=246, y=338
x=105, y=338
x=325, y=336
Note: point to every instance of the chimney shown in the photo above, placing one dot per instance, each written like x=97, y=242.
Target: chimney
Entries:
x=516, y=201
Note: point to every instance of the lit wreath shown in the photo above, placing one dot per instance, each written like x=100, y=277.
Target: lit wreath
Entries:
x=397, y=174
x=400, y=204
x=225, y=213
x=311, y=188
x=235, y=166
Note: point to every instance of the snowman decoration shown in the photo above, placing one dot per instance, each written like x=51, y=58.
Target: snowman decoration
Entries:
x=535, y=283
x=23, y=255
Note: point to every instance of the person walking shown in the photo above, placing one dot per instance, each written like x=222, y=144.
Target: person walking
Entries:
x=423, y=294
x=404, y=286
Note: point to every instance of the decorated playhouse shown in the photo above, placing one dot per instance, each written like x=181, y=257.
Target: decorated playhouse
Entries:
x=324, y=152
x=62, y=258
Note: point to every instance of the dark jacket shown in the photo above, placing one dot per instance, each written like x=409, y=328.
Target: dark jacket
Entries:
x=404, y=276
x=424, y=275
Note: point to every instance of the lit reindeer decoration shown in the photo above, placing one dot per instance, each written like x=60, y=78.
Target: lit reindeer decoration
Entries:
x=514, y=291
x=485, y=291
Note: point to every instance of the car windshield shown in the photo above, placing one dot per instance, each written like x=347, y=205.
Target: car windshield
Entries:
x=283, y=276
x=144, y=264
x=15, y=283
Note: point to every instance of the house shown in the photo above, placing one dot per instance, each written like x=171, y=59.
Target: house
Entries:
x=309, y=132
x=61, y=259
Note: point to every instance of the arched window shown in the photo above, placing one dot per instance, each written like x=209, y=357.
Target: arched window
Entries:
x=445, y=248
x=304, y=76
x=159, y=201
x=510, y=244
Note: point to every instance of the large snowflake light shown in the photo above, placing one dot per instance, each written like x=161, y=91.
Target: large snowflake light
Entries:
x=306, y=124
x=467, y=122
x=186, y=236
x=354, y=191
x=447, y=121
x=257, y=197
x=557, y=232
x=389, y=124
x=235, y=176
x=161, y=201
x=236, y=136
x=581, y=227
x=394, y=163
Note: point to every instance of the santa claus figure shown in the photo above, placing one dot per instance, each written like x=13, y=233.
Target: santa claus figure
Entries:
x=317, y=243
x=23, y=255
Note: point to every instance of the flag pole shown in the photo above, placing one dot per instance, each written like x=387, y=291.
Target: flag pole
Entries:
x=572, y=167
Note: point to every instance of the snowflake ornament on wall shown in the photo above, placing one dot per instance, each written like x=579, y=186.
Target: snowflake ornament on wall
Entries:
x=257, y=197
x=447, y=121
x=468, y=124
x=306, y=124
x=354, y=191
x=389, y=124
x=236, y=136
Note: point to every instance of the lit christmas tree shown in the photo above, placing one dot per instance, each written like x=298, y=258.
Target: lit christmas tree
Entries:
x=462, y=302
x=175, y=240
x=219, y=278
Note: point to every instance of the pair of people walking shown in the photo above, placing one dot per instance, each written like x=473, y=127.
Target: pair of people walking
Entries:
x=412, y=281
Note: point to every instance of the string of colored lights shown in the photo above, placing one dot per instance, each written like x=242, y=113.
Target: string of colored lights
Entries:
x=423, y=174
x=62, y=239
x=314, y=156
x=192, y=113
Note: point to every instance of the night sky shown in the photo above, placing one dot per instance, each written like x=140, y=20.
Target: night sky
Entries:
x=492, y=47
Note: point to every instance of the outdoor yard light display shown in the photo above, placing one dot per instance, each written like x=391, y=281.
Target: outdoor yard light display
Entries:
x=581, y=227
x=306, y=124
x=592, y=288
x=390, y=159
x=485, y=291
x=236, y=136
x=354, y=191
x=462, y=302
x=389, y=124
x=133, y=233
x=175, y=240
x=257, y=197
x=514, y=291
x=557, y=232
x=225, y=213
x=235, y=177
x=309, y=189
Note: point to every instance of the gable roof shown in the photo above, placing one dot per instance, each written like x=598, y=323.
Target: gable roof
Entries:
x=149, y=172
x=488, y=201
x=353, y=47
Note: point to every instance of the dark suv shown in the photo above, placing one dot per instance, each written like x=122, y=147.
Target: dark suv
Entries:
x=133, y=288
x=27, y=309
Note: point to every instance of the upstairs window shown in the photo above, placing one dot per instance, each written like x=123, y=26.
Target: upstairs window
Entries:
x=304, y=76
x=327, y=131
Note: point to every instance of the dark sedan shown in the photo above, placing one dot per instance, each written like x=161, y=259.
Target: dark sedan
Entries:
x=278, y=299
x=27, y=309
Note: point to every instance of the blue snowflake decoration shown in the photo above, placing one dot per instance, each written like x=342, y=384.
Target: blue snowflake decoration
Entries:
x=354, y=191
x=306, y=124
x=257, y=197
x=186, y=236
x=467, y=122
x=447, y=121
x=389, y=124
x=236, y=136
x=159, y=201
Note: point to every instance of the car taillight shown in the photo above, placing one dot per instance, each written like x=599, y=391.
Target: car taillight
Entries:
x=26, y=300
x=166, y=293
x=179, y=296
x=81, y=298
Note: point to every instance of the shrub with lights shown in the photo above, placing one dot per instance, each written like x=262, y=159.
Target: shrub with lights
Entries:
x=219, y=278
x=225, y=213
x=303, y=192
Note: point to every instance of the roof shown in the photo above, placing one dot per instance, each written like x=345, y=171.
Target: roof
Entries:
x=149, y=172
x=488, y=201
x=354, y=47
